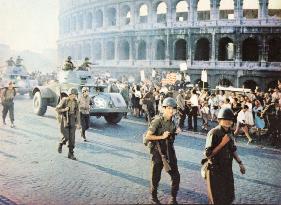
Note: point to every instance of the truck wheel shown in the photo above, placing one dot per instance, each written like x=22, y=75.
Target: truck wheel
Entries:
x=113, y=118
x=39, y=104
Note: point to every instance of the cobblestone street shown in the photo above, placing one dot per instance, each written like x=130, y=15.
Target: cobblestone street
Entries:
x=113, y=167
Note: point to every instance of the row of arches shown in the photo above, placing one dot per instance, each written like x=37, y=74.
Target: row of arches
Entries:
x=158, y=10
x=226, y=50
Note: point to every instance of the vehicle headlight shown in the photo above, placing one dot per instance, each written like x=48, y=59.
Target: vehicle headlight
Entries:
x=99, y=102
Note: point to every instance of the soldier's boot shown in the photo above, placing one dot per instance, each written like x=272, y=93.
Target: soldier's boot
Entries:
x=173, y=200
x=71, y=155
x=83, y=135
x=60, y=148
x=154, y=199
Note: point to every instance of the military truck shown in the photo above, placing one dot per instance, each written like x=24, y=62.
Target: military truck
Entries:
x=20, y=77
x=111, y=106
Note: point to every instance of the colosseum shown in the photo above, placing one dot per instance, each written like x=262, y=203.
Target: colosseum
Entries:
x=238, y=42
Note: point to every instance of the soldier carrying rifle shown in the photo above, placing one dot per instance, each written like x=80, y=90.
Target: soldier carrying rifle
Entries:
x=161, y=135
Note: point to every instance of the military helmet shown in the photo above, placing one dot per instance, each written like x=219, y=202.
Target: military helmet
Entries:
x=85, y=89
x=181, y=91
x=86, y=59
x=169, y=102
x=69, y=57
x=226, y=114
x=73, y=91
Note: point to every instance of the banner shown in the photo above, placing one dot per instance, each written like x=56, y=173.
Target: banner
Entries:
x=204, y=76
x=183, y=66
x=142, y=75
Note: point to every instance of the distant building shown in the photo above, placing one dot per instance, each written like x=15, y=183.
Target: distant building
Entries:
x=236, y=46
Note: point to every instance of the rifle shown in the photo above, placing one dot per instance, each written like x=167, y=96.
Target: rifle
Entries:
x=166, y=165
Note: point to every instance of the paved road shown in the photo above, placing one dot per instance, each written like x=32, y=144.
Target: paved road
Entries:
x=114, y=166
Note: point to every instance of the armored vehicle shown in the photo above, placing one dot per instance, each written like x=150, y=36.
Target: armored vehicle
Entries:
x=111, y=106
x=21, y=78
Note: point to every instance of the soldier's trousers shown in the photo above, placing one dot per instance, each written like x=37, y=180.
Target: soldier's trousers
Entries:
x=8, y=107
x=156, y=169
x=182, y=116
x=68, y=135
x=85, y=122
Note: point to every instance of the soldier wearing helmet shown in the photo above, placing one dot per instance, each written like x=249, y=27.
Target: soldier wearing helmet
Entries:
x=148, y=104
x=7, y=98
x=86, y=65
x=68, y=111
x=220, y=150
x=84, y=108
x=68, y=64
x=161, y=135
x=181, y=108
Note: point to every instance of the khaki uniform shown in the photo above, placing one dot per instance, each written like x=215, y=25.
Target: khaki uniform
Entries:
x=149, y=100
x=84, y=107
x=68, y=65
x=85, y=66
x=158, y=126
x=68, y=121
x=220, y=182
x=8, y=103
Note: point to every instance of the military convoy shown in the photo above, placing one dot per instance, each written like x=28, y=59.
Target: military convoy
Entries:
x=111, y=106
x=16, y=72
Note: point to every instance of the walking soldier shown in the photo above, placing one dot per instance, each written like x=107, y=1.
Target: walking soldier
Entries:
x=161, y=135
x=7, y=99
x=84, y=107
x=68, y=111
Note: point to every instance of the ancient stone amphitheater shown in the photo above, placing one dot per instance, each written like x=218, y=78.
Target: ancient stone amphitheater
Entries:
x=237, y=45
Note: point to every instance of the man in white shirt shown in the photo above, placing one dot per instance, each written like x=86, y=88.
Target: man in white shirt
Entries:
x=194, y=111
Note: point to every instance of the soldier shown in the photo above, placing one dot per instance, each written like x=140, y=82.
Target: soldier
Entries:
x=86, y=65
x=68, y=111
x=161, y=135
x=84, y=107
x=220, y=151
x=68, y=64
x=18, y=61
x=11, y=62
x=149, y=101
x=181, y=108
x=7, y=99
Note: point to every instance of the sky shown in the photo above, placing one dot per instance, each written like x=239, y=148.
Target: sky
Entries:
x=33, y=24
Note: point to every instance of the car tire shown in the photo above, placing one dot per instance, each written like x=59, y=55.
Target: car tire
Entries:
x=114, y=118
x=39, y=104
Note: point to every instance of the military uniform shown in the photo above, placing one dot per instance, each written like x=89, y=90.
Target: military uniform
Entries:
x=220, y=182
x=8, y=104
x=84, y=107
x=158, y=126
x=68, y=65
x=68, y=121
x=149, y=101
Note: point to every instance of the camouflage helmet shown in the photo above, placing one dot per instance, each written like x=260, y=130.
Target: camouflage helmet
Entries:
x=169, y=102
x=73, y=91
x=86, y=59
x=226, y=114
x=85, y=89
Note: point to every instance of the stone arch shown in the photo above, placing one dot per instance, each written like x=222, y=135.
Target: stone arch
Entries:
x=203, y=10
x=274, y=50
x=181, y=11
x=87, y=50
x=160, y=50
x=272, y=84
x=251, y=84
x=98, y=19
x=110, y=50
x=125, y=14
x=180, y=49
x=143, y=13
x=226, y=49
x=89, y=20
x=250, y=50
x=250, y=9
x=142, y=50
x=80, y=22
x=97, y=51
x=124, y=50
x=202, y=50
x=225, y=82
x=226, y=9
x=274, y=8
x=111, y=16
x=161, y=11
